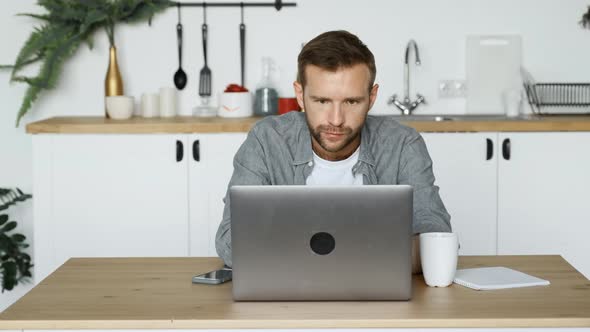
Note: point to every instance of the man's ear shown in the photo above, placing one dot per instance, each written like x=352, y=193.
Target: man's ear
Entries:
x=298, y=93
x=373, y=95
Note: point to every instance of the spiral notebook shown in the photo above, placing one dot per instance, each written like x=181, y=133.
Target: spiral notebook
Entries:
x=497, y=277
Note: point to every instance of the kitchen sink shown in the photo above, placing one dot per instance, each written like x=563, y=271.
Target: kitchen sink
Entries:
x=436, y=118
x=461, y=117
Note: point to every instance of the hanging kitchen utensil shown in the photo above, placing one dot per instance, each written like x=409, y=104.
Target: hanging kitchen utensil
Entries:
x=180, y=77
x=205, y=74
x=242, y=43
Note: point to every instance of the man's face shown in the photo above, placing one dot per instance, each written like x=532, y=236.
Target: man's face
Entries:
x=336, y=105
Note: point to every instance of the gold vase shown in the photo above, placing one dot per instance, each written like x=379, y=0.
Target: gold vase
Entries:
x=113, y=84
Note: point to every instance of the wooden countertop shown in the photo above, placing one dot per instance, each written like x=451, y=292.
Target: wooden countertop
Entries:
x=186, y=124
x=146, y=293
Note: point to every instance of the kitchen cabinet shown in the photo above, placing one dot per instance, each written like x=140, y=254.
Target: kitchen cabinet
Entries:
x=209, y=177
x=162, y=194
x=526, y=196
x=465, y=168
x=128, y=195
x=543, y=183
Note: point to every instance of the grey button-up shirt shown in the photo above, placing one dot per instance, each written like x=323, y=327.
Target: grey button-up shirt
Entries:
x=278, y=151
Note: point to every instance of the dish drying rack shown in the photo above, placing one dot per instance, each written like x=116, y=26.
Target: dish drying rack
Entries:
x=557, y=98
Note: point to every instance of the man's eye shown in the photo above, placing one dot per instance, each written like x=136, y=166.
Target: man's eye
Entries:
x=322, y=101
x=353, y=102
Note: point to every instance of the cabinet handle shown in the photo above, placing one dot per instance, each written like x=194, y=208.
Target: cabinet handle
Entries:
x=506, y=148
x=197, y=150
x=489, y=149
x=179, y=151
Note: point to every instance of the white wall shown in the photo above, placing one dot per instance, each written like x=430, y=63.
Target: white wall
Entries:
x=555, y=48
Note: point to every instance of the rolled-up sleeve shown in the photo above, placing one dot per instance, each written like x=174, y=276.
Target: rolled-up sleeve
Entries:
x=430, y=214
x=249, y=169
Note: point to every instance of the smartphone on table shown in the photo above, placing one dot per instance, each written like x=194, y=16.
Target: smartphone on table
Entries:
x=214, y=277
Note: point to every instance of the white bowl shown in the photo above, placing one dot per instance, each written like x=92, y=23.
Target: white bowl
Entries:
x=120, y=107
x=235, y=104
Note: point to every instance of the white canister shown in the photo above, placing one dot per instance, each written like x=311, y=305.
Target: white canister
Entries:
x=167, y=102
x=235, y=105
x=150, y=105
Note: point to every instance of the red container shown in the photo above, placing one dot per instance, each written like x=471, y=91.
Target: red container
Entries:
x=288, y=105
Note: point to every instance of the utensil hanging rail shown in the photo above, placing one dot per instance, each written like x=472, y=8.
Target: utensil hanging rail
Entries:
x=277, y=4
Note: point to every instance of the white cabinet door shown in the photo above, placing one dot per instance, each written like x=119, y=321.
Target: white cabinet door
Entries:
x=114, y=195
x=543, y=196
x=209, y=177
x=465, y=165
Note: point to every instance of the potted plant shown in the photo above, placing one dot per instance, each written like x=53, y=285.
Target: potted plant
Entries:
x=15, y=265
x=66, y=25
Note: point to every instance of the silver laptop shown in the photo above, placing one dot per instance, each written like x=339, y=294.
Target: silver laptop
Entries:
x=300, y=243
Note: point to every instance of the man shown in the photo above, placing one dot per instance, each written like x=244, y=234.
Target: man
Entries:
x=334, y=142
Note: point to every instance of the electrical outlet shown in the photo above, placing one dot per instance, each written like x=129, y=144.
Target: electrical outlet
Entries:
x=452, y=89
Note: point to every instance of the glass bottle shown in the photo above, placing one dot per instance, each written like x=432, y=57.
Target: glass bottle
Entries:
x=266, y=100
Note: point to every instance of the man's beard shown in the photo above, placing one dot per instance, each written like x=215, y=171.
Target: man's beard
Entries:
x=350, y=136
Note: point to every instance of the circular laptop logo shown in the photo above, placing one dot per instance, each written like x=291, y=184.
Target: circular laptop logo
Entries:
x=322, y=243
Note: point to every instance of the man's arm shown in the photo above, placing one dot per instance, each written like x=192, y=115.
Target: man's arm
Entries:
x=430, y=214
x=249, y=169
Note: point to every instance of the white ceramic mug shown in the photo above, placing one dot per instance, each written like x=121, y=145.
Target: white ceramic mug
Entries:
x=150, y=105
x=235, y=104
x=438, y=254
x=119, y=107
x=167, y=102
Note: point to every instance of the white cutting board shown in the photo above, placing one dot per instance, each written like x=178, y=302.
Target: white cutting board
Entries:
x=493, y=65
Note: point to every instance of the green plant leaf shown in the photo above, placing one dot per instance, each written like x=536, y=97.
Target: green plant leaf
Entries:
x=49, y=73
x=30, y=96
x=143, y=10
x=92, y=18
x=8, y=227
x=24, y=266
x=29, y=80
x=46, y=18
x=18, y=237
x=3, y=219
x=8, y=275
x=5, y=243
x=70, y=11
x=26, y=62
x=39, y=42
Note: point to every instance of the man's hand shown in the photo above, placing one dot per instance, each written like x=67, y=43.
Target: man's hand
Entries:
x=416, y=265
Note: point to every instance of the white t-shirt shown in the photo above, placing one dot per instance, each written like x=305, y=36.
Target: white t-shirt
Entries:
x=327, y=172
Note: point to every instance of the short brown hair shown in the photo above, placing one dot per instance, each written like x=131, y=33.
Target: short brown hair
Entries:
x=333, y=50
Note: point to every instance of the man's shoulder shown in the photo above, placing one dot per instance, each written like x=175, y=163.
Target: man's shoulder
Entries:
x=282, y=125
x=386, y=128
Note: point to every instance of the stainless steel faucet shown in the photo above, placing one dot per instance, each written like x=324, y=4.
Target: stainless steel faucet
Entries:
x=406, y=105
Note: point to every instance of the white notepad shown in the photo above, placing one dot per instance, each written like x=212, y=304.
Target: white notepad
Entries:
x=498, y=277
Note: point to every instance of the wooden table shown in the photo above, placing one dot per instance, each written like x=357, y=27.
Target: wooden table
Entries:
x=157, y=293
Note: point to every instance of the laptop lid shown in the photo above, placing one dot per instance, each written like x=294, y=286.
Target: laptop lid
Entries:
x=321, y=242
